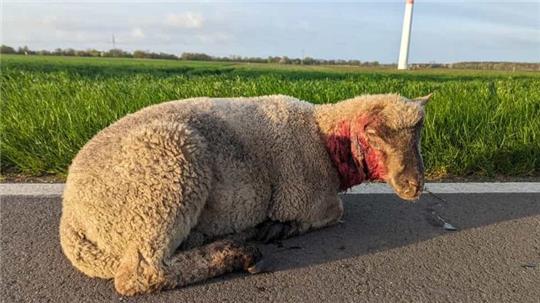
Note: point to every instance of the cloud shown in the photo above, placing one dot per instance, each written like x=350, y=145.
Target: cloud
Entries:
x=212, y=38
x=137, y=33
x=185, y=20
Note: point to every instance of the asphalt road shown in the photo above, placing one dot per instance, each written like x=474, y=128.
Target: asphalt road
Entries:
x=386, y=251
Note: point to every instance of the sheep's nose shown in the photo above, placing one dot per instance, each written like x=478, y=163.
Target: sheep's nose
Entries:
x=412, y=186
x=412, y=183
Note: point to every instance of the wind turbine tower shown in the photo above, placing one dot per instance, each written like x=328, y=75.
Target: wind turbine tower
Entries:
x=406, y=35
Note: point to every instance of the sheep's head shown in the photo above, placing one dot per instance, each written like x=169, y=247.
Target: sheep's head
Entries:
x=379, y=141
x=386, y=144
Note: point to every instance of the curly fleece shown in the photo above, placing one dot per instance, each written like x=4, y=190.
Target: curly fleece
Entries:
x=140, y=187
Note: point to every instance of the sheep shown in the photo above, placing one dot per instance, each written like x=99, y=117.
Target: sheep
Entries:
x=167, y=196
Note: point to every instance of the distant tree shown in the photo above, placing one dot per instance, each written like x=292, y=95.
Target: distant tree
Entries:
x=308, y=61
x=151, y=55
x=44, y=52
x=296, y=61
x=195, y=56
x=139, y=54
x=94, y=53
x=83, y=53
x=284, y=60
x=68, y=52
x=254, y=59
x=271, y=59
x=116, y=52
x=167, y=56
x=4, y=49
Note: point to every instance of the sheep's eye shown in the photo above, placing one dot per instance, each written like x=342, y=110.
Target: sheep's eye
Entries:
x=371, y=132
x=374, y=138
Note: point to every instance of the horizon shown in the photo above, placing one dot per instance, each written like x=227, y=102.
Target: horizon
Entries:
x=479, y=31
x=231, y=58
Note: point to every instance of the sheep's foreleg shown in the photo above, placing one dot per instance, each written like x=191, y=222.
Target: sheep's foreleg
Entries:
x=136, y=275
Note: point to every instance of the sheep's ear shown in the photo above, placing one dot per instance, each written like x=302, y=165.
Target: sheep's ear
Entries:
x=423, y=100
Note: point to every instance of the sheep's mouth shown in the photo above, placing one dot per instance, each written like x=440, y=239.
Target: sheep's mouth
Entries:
x=409, y=193
x=405, y=195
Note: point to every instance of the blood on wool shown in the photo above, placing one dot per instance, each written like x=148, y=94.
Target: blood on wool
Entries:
x=354, y=169
x=373, y=158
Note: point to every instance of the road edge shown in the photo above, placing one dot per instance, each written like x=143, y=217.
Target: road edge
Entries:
x=56, y=189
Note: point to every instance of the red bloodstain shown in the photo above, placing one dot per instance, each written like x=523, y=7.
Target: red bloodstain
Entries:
x=355, y=169
x=373, y=158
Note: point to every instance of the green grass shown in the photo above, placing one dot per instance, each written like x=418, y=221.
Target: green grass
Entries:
x=478, y=124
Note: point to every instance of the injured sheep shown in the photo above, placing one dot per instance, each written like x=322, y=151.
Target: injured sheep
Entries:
x=146, y=194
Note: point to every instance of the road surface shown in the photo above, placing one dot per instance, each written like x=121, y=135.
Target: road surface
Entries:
x=386, y=251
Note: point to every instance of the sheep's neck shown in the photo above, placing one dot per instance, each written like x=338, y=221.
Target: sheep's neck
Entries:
x=351, y=170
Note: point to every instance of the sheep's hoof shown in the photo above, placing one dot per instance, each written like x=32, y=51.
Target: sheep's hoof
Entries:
x=258, y=267
x=248, y=255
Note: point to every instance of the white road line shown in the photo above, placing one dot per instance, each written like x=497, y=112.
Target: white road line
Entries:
x=56, y=189
x=31, y=189
x=454, y=188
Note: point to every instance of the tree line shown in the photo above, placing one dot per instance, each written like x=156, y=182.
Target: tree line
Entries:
x=119, y=53
x=481, y=65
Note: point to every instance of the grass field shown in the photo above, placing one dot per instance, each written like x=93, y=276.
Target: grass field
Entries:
x=478, y=124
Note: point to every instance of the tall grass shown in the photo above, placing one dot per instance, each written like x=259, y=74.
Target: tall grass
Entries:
x=477, y=124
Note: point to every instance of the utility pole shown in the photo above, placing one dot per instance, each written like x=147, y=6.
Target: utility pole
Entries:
x=406, y=35
x=113, y=42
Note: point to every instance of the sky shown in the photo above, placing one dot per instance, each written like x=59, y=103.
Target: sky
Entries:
x=442, y=31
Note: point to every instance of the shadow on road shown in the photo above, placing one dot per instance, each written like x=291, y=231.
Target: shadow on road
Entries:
x=34, y=268
x=380, y=222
